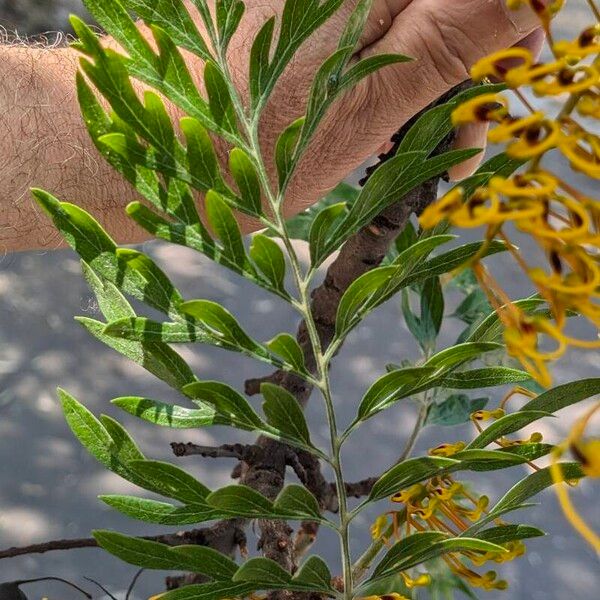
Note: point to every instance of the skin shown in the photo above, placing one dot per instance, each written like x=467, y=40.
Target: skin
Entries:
x=44, y=142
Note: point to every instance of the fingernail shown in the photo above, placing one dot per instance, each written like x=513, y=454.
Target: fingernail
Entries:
x=524, y=19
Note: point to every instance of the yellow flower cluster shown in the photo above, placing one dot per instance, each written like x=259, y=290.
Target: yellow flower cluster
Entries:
x=563, y=221
x=443, y=504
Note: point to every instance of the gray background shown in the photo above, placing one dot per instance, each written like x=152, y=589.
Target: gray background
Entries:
x=49, y=485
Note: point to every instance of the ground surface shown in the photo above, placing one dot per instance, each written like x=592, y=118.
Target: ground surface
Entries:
x=49, y=485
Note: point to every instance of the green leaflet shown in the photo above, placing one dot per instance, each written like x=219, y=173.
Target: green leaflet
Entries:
x=211, y=591
x=564, y=395
x=320, y=229
x=129, y=270
x=506, y=425
x=385, y=391
x=390, y=182
x=220, y=324
x=219, y=99
x=197, y=238
x=142, y=553
x=263, y=571
x=300, y=18
x=284, y=413
x=160, y=513
x=285, y=150
x=208, y=561
x=287, y=347
x=485, y=377
x=167, y=72
x=415, y=470
x=425, y=327
x=293, y=503
x=270, y=260
x=526, y=488
x=419, y=547
x=172, y=481
x=374, y=287
x=247, y=181
x=169, y=415
x=155, y=356
x=223, y=223
x=227, y=402
x=175, y=20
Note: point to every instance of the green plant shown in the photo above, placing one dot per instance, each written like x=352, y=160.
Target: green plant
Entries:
x=382, y=255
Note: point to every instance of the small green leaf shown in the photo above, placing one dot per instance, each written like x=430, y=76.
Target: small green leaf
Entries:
x=320, y=230
x=297, y=500
x=269, y=258
x=160, y=513
x=229, y=404
x=241, y=501
x=389, y=388
x=508, y=533
x=455, y=356
x=201, y=157
x=564, y=395
x=405, y=548
x=284, y=413
x=314, y=573
x=219, y=99
x=221, y=220
x=111, y=302
x=247, y=180
x=216, y=590
x=298, y=227
x=169, y=415
x=221, y=324
x=207, y=561
x=408, y=473
x=285, y=150
x=357, y=296
x=485, y=377
x=286, y=346
x=263, y=572
x=141, y=553
x=526, y=488
x=229, y=16
x=172, y=481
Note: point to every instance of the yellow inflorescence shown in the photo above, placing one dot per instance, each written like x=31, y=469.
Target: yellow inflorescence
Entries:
x=563, y=221
x=443, y=504
x=587, y=453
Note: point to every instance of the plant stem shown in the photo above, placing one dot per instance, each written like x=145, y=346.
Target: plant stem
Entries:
x=302, y=282
x=412, y=440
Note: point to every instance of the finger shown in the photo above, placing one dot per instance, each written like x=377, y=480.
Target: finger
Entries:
x=475, y=135
x=470, y=136
x=446, y=39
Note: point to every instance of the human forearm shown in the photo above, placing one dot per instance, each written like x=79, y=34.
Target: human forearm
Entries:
x=44, y=143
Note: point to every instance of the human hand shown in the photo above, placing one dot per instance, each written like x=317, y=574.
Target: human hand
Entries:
x=445, y=38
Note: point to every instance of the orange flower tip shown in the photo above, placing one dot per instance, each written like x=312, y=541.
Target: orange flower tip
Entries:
x=422, y=580
x=447, y=449
x=486, y=415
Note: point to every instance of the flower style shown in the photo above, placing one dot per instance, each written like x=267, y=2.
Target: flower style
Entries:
x=587, y=452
